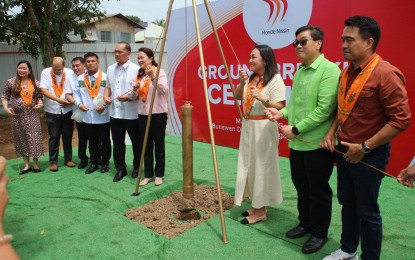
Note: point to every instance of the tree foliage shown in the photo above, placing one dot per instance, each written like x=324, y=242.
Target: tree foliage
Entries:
x=160, y=22
x=134, y=18
x=41, y=27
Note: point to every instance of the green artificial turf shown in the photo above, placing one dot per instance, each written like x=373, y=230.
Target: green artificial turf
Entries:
x=70, y=215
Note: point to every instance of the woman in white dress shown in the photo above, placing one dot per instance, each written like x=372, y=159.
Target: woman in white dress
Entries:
x=258, y=171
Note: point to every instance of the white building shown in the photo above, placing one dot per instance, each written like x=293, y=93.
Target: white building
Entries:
x=153, y=34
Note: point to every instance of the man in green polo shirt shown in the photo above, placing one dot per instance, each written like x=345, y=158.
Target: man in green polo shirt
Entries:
x=310, y=113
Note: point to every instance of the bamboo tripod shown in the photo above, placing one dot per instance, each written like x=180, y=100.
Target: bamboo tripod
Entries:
x=205, y=87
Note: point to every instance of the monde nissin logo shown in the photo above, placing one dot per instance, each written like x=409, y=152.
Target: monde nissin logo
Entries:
x=281, y=6
x=274, y=22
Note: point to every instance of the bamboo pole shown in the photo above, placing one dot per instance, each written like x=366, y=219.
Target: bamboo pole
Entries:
x=187, y=151
x=238, y=108
x=150, y=112
x=212, y=137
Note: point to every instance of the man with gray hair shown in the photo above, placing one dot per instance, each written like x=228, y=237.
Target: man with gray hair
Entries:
x=123, y=109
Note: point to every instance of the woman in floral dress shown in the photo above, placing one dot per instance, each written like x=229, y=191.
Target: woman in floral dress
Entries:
x=25, y=101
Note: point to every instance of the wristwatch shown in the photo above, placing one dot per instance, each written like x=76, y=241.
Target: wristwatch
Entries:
x=265, y=102
x=365, y=148
x=295, y=130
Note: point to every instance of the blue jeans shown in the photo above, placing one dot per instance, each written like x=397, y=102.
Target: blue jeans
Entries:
x=358, y=191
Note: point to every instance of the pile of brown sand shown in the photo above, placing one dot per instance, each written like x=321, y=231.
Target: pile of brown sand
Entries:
x=173, y=214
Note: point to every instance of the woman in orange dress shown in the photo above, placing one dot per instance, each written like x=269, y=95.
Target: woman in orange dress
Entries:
x=25, y=101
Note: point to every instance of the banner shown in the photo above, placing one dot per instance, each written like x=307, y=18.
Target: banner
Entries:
x=241, y=24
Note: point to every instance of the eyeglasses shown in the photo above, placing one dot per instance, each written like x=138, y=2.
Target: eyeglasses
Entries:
x=302, y=42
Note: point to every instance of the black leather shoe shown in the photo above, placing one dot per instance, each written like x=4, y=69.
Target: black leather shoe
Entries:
x=91, y=169
x=296, y=232
x=245, y=214
x=313, y=244
x=134, y=174
x=120, y=175
x=105, y=168
x=25, y=171
x=83, y=164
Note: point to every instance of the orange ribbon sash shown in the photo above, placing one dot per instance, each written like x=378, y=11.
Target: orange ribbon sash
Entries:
x=27, y=95
x=346, y=101
x=249, y=99
x=142, y=91
x=58, y=88
x=93, y=90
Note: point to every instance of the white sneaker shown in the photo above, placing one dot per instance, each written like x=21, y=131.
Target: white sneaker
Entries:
x=340, y=255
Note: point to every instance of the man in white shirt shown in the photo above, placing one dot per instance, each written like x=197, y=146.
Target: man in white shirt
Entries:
x=78, y=67
x=90, y=88
x=58, y=110
x=124, y=109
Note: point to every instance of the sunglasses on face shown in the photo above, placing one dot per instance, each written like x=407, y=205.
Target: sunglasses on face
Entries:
x=302, y=42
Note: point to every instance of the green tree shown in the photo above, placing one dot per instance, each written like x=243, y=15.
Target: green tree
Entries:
x=160, y=22
x=41, y=27
x=134, y=18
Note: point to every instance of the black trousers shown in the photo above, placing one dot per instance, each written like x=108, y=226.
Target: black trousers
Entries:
x=59, y=125
x=82, y=142
x=156, y=142
x=119, y=127
x=310, y=173
x=99, y=142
